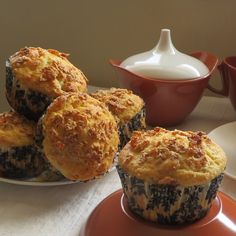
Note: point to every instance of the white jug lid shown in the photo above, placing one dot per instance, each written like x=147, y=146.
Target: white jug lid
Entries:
x=165, y=62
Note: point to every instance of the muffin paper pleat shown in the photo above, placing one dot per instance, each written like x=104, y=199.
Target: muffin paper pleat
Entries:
x=168, y=204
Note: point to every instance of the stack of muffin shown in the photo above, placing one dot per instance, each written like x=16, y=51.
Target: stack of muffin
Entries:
x=56, y=129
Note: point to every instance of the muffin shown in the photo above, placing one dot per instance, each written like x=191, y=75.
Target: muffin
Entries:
x=36, y=76
x=171, y=177
x=127, y=108
x=78, y=136
x=19, y=158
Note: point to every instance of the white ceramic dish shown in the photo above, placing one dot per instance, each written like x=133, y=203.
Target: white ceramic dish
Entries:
x=37, y=182
x=32, y=182
x=225, y=136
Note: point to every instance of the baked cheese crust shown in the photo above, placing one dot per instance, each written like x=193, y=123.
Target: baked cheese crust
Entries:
x=15, y=130
x=80, y=136
x=47, y=71
x=172, y=157
x=122, y=103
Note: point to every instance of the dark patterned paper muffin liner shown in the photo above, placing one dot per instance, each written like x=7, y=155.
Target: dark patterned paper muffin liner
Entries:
x=168, y=204
x=21, y=162
x=29, y=103
x=126, y=130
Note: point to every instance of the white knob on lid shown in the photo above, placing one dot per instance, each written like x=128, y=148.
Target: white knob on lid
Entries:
x=165, y=62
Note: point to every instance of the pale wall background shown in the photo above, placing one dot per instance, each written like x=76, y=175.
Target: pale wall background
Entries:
x=95, y=31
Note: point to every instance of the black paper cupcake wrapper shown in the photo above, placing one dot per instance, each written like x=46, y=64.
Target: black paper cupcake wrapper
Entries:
x=126, y=130
x=168, y=204
x=21, y=162
x=29, y=103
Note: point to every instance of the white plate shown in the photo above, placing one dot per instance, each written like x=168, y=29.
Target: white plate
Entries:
x=225, y=136
x=38, y=181
x=32, y=182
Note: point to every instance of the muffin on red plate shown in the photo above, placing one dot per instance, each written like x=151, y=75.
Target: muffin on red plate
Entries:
x=171, y=177
x=19, y=157
x=36, y=76
x=78, y=136
x=127, y=108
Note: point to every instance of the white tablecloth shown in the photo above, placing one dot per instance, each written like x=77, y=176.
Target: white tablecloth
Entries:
x=61, y=210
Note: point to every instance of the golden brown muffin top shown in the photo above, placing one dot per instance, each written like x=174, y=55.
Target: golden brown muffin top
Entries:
x=80, y=136
x=15, y=130
x=122, y=103
x=47, y=71
x=172, y=157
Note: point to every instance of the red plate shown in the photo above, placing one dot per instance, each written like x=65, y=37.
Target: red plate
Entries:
x=113, y=217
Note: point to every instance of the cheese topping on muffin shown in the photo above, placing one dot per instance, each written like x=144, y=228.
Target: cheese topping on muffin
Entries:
x=47, y=71
x=15, y=130
x=80, y=136
x=172, y=157
x=122, y=103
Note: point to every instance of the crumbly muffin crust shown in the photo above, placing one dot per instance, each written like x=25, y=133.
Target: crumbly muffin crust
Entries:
x=172, y=157
x=122, y=103
x=80, y=136
x=47, y=71
x=15, y=130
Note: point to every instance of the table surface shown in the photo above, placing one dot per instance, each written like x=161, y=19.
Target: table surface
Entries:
x=61, y=210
